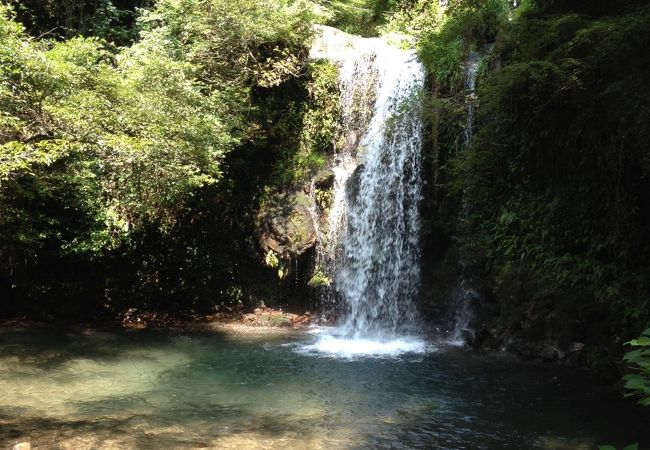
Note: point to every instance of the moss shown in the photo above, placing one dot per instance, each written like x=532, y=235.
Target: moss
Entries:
x=319, y=278
x=271, y=259
x=324, y=198
x=306, y=127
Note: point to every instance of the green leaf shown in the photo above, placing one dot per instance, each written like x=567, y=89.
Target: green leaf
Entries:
x=642, y=341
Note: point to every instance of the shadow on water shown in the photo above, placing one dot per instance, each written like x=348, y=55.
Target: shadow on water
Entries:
x=151, y=389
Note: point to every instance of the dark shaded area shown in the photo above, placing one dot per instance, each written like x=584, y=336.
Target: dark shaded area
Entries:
x=556, y=182
x=113, y=20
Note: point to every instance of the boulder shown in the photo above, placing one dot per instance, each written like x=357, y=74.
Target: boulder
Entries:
x=286, y=225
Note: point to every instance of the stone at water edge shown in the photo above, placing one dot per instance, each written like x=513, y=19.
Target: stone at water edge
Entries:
x=274, y=318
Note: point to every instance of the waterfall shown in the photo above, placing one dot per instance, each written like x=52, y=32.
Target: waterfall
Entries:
x=471, y=71
x=465, y=293
x=379, y=273
x=372, y=246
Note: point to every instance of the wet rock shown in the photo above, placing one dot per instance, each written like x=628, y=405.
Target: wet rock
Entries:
x=533, y=330
x=573, y=352
x=353, y=184
x=484, y=338
x=324, y=179
x=298, y=320
x=286, y=226
x=523, y=349
x=331, y=44
x=274, y=319
x=575, y=347
x=550, y=353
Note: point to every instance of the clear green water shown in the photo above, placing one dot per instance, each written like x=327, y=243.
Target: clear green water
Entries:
x=152, y=390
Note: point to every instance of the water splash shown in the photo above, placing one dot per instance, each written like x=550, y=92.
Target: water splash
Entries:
x=372, y=244
x=330, y=345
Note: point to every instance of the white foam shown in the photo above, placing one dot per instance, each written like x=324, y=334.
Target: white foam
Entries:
x=348, y=348
x=453, y=342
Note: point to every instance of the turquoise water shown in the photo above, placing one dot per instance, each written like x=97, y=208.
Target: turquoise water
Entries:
x=240, y=389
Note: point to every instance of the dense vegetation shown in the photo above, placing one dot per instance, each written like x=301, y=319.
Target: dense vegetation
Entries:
x=556, y=178
x=123, y=176
x=562, y=149
x=139, y=138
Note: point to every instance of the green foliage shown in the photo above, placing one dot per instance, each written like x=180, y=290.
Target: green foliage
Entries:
x=271, y=259
x=305, y=126
x=562, y=150
x=246, y=43
x=463, y=26
x=319, y=278
x=324, y=198
x=639, y=383
x=156, y=133
x=320, y=121
x=112, y=20
x=109, y=159
x=445, y=35
x=611, y=447
x=474, y=20
x=274, y=261
x=361, y=17
x=444, y=61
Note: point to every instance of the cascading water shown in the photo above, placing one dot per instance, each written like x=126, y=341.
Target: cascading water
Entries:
x=379, y=273
x=465, y=293
x=372, y=247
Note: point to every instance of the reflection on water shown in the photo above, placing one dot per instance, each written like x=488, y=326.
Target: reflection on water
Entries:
x=151, y=390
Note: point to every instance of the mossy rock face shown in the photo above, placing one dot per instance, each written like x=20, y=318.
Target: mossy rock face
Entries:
x=286, y=226
x=324, y=179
